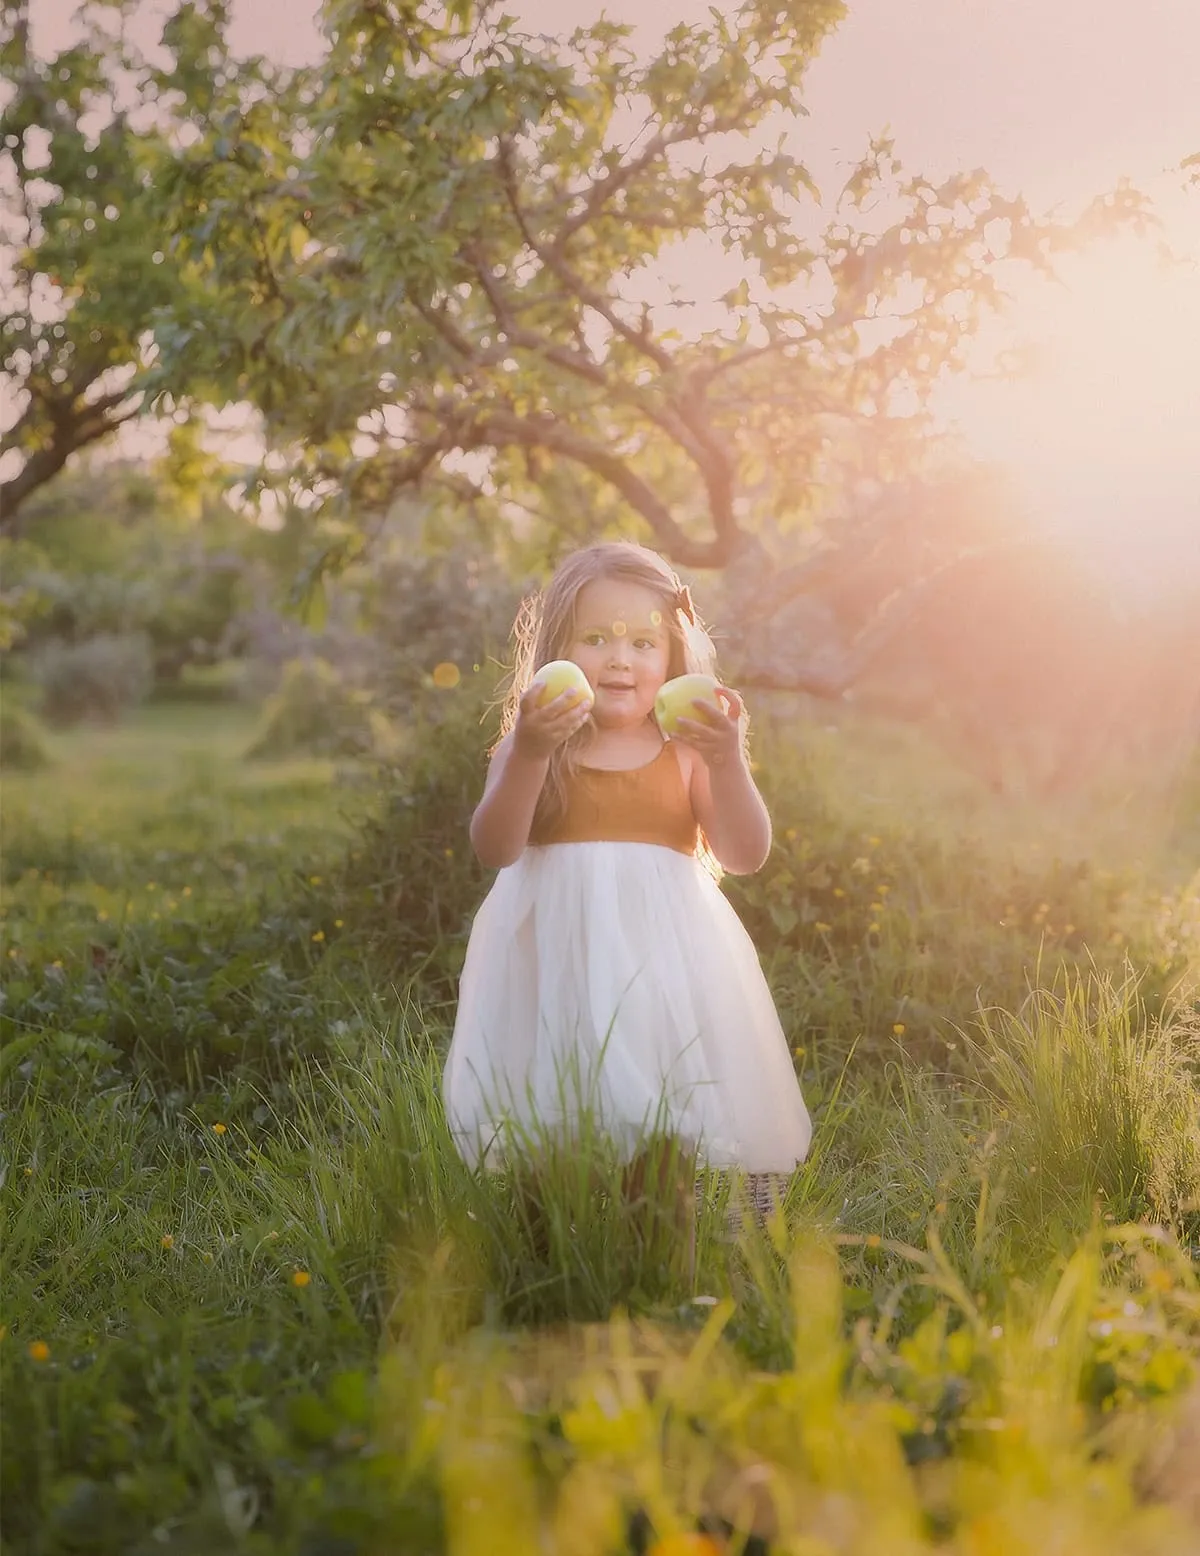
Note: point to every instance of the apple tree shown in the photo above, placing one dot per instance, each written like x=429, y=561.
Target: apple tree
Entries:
x=551, y=274
x=88, y=264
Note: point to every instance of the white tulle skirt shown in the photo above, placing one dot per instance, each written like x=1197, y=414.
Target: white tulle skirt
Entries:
x=615, y=978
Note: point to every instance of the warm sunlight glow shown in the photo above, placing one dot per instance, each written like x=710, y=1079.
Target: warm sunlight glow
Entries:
x=1101, y=424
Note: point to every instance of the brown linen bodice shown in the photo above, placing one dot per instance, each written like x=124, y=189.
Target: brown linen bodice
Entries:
x=648, y=804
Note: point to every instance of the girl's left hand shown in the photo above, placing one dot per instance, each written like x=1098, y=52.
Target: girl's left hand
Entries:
x=715, y=734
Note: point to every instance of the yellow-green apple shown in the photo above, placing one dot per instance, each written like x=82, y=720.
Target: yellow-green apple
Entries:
x=676, y=700
x=561, y=675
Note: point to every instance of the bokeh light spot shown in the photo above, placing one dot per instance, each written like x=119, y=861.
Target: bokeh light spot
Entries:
x=446, y=675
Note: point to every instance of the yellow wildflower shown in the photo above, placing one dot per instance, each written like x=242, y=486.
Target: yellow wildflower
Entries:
x=39, y=1351
x=300, y=1277
x=218, y=1129
x=688, y=1543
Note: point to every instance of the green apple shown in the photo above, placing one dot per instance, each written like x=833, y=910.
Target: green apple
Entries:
x=676, y=700
x=561, y=675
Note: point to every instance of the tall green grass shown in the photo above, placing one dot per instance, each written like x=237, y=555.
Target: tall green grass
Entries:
x=254, y=1300
x=1100, y=1105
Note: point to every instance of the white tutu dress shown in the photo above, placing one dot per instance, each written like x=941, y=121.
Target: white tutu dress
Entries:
x=606, y=971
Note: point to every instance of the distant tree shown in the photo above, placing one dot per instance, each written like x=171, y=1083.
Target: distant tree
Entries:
x=112, y=550
x=86, y=259
x=89, y=262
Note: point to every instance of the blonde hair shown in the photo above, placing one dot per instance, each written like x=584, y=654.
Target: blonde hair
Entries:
x=544, y=630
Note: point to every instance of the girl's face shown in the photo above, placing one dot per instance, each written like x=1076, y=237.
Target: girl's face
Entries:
x=621, y=642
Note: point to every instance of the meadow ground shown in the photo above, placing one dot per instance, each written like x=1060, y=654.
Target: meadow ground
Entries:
x=252, y=1301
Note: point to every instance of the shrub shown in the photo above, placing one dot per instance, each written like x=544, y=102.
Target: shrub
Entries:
x=225, y=681
x=423, y=611
x=316, y=712
x=891, y=925
x=1103, y=1105
x=97, y=678
x=412, y=883
x=22, y=744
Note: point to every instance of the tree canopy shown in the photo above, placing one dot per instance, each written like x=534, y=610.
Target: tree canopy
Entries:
x=88, y=268
x=529, y=272
x=85, y=264
x=440, y=257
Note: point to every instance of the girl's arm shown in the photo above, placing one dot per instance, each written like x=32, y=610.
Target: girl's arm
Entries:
x=725, y=798
x=503, y=817
x=733, y=816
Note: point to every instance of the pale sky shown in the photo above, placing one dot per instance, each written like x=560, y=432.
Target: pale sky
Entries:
x=1058, y=99
x=1054, y=96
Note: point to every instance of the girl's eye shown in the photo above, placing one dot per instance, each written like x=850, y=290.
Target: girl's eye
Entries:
x=646, y=643
x=593, y=638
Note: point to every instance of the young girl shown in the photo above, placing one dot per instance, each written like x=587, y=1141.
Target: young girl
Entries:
x=605, y=968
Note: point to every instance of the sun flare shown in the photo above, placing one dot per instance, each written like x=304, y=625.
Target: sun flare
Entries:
x=1100, y=429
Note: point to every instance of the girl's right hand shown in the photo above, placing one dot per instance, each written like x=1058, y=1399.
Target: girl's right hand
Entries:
x=539, y=731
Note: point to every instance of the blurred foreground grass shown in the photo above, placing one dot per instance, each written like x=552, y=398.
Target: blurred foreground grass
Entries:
x=252, y=1301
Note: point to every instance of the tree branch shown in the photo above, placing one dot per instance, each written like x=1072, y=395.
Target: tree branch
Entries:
x=834, y=669
x=442, y=324
x=686, y=420
x=70, y=436
x=506, y=428
x=580, y=363
x=603, y=189
x=680, y=422
x=551, y=257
